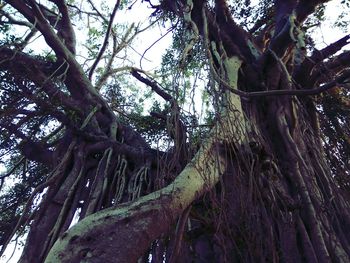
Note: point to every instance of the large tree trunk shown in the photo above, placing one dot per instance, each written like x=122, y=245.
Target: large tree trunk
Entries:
x=132, y=227
x=260, y=186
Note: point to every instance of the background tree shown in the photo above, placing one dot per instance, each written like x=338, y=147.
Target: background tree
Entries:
x=262, y=176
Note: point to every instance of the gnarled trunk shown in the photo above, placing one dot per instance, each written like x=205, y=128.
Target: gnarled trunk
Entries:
x=259, y=189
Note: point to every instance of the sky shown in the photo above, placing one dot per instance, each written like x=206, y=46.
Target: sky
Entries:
x=325, y=34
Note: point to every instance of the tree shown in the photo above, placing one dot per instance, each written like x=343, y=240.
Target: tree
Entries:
x=268, y=181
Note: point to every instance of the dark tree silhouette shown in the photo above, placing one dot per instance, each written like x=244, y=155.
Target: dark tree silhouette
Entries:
x=266, y=180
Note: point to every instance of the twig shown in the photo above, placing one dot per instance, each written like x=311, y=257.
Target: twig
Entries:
x=105, y=42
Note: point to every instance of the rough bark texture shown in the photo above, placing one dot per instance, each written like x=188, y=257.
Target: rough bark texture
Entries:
x=261, y=187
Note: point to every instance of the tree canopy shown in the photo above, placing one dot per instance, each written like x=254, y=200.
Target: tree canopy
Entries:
x=231, y=144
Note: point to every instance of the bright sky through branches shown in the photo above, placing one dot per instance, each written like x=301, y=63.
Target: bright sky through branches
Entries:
x=325, y=34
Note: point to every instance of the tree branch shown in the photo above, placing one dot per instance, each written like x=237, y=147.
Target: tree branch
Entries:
x=304, y=70
x=305, y=92
x=23, y=8
x=105, y=42
x=330, y=50
x=285, y=22
x=306, y=7
x=137, y=224
x=97, y=11
x=327, y=70
x=176, y=128
x=14, y=21
x=65, y=28
x=35, y=151
x=34, y=69
x=241, y=38
x=82, y=88
x=154, y=85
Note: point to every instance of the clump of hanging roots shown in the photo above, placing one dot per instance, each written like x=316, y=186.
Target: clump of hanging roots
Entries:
x=82, y=184
x=269, y=208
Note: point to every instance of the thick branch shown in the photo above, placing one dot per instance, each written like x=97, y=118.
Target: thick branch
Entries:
x=237, y=35
x=330, y=50
x=304, y=70
x=289, y=16
x=307, y=7
x=24, y=9
x=155, y=87
x=35, y=70
x=285, y=22
x=35, y=151
x=338, y=62
x=132, y=227
x=65, y=28
x=328, y=70
x=14, y=21
x=82, y=83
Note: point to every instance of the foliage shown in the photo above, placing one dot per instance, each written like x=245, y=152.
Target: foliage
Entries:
x=84, y=131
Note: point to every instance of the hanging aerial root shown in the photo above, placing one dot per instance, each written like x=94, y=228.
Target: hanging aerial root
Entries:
x=89, y=117
x=119, y=180
x=96, y=193
x=136, y=182
x=78, y=173
x=179, y=233
x=55, y=177
x=296, y=159
x=194, y=34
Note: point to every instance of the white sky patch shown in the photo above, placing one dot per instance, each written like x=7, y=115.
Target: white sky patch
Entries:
x=2, y=168
x=3, y=160
x=327, y=33
x=139, y=14
x=13, y=251
x=324, y=35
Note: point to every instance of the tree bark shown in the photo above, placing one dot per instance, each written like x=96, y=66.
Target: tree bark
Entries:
x=259, y=189
x=131, y=228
